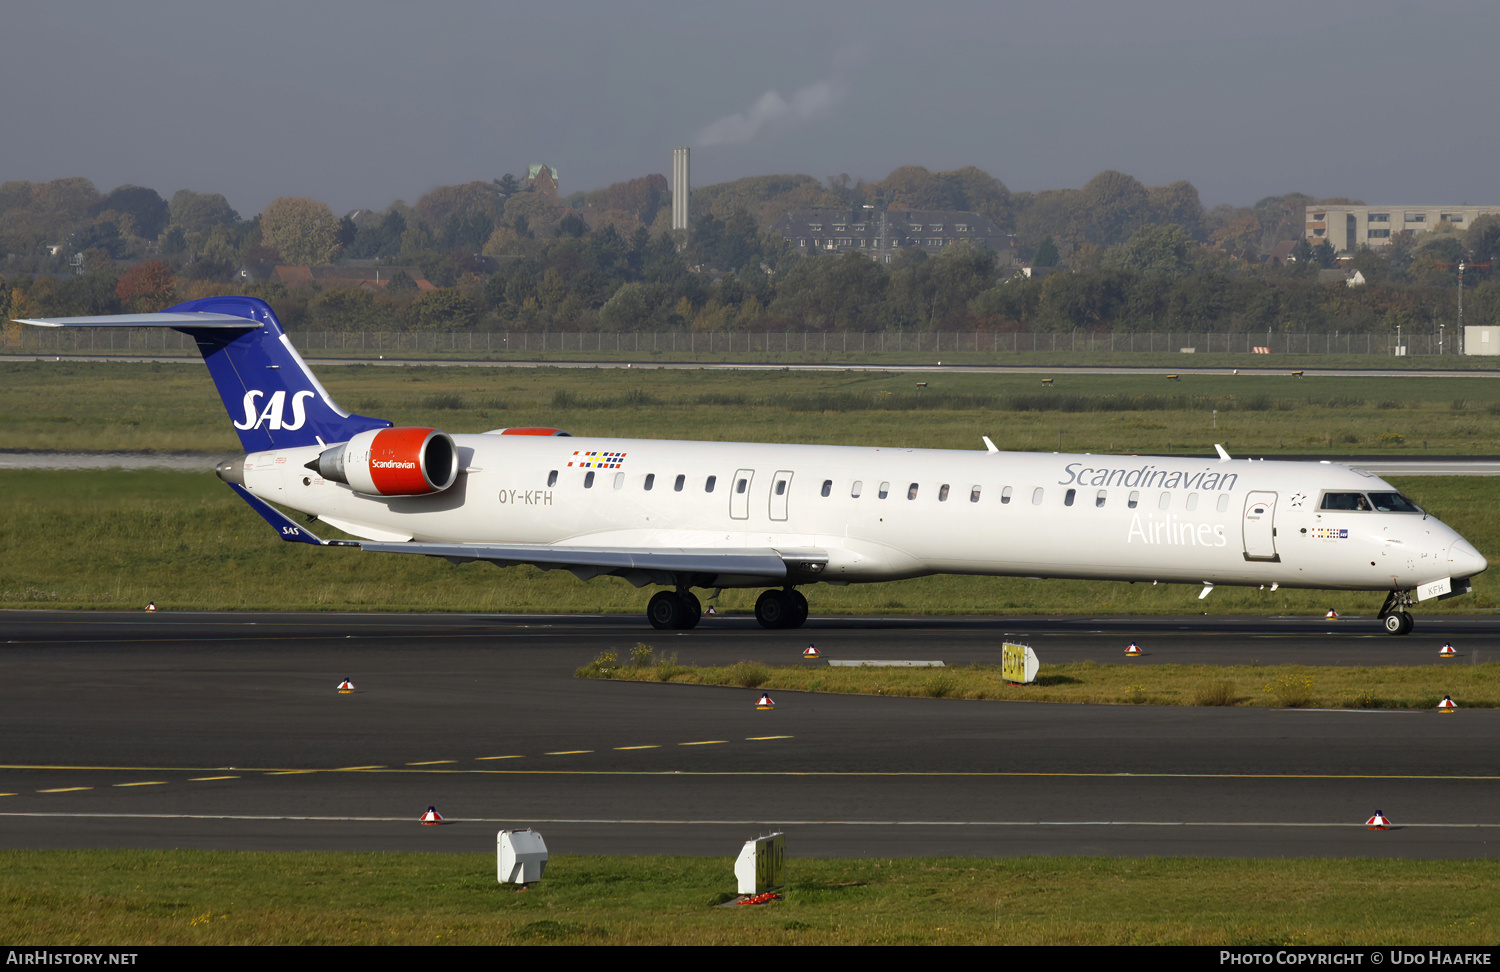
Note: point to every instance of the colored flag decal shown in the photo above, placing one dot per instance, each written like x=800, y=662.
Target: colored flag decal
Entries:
x=598, y=460
x=1329, y=533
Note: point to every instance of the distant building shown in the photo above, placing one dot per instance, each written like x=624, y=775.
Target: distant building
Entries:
x=1339, y=275
x=543, y=179
x=1347, y=228
x=880, y=235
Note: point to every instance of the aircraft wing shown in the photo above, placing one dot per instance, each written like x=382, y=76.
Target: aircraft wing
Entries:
x=639, y=565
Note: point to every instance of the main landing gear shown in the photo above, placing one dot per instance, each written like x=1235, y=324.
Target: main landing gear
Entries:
x=1393, y=614
x=781, y=609
x=681, y=609
x=674, y=609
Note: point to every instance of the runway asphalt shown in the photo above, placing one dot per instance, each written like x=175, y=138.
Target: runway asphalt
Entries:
x=225, y=731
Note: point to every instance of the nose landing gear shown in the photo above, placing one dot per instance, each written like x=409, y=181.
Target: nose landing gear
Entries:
x=1393, y=614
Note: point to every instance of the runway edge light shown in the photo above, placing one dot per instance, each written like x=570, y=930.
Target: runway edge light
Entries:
x=1132, y=650
x=1332, y=615
x=520, y=856
x=811, y=652
x=1447, y=705
x=345, y=687
x=1446, y=651
x=431, y=818
x=1378, y=822
x=766, y=702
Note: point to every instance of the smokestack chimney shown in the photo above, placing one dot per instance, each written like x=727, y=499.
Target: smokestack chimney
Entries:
x=681, y=187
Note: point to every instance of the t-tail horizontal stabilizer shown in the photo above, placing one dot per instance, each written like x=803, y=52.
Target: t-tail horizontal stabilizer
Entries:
x=272, y=397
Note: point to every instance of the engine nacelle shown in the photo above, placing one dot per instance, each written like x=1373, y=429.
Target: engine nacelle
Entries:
x=392, y=462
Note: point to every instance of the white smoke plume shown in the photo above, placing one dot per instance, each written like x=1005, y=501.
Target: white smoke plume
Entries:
x=771, y=110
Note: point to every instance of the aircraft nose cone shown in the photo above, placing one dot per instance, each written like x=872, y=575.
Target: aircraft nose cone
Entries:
x=1465, y=559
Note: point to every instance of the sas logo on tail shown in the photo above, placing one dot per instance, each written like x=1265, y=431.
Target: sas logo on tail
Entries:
x=272, y=415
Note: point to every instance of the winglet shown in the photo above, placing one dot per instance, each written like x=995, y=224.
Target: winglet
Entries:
x=988, y=445
x=284, y=525
x=1223, y=456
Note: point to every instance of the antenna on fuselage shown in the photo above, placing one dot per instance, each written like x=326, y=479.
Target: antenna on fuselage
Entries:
x=1223, y=456
x=988, y=445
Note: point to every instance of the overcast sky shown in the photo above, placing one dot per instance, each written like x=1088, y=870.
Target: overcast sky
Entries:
x=362, y=103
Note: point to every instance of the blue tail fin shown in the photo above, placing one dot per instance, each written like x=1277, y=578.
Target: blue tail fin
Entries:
x=271, y=395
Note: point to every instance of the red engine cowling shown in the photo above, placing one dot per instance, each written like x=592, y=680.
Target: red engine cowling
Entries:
x=392, y=462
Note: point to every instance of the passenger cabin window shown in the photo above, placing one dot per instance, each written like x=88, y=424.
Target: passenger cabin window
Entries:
x=708, y=485
x=856, y=489
x=885, y=490
x=681, y=479
x=943, y=493
x=1164, y=501
x=1099, y=499
x=1068, y=497
x=588, y=479
x=619, y=480
x=552, y=478
x=740, y=485
x=911, y=491
x=1005, y=496
x=1192, y=501
x=781, y=487
x=1354, y=502
x=974, y=495
x=1223, y=504
x=650, y=481
x=1036, y=496
x=827, y=487
x=1134, y=500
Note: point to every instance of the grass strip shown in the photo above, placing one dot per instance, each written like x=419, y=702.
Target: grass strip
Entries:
x=86, y=406
x=1471, y=685
x=189, y=897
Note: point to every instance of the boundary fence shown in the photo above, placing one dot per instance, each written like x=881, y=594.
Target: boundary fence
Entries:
x=832, y=344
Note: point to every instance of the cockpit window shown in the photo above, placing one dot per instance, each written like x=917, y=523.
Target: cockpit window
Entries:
x=1346, y=501
x=1393, y=503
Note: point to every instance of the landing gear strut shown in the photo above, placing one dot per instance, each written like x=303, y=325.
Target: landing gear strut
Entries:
x=1393, y=614
x=781, y=609
x=673, y=609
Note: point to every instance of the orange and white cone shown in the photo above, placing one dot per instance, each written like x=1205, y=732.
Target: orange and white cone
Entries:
x=765, y=702
x=1447, y=705
x=1446, y=651
x=431, y=818
x=1332, y=615
x=811, y=652
x=1378, y=822
x=345, y=687
x=1132, y=650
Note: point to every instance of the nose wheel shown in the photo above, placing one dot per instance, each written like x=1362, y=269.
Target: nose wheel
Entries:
x=1393, y=614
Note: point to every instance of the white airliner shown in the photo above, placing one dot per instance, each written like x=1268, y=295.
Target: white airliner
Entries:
x=714, y=515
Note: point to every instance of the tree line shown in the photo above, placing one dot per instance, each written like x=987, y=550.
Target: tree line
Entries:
x=502, y=255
